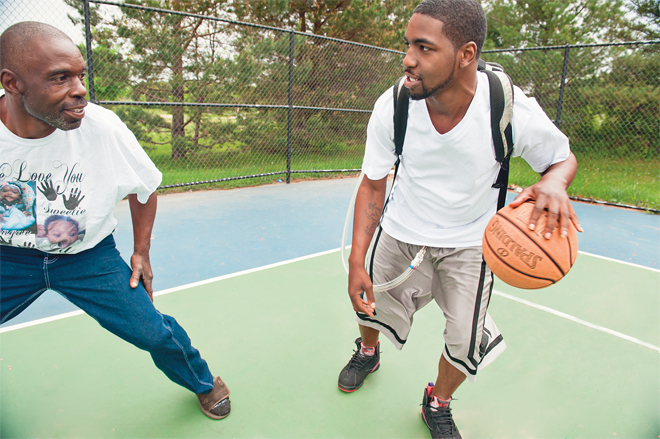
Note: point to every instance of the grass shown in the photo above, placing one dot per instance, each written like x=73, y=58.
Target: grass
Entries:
x=211, y=167
x=634, y=182
x=623, y=181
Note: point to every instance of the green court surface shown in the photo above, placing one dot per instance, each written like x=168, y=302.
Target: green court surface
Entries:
x=279, y=337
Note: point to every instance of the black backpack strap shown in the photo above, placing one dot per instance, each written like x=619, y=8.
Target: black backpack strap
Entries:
x=501, y=113
x=401, y=101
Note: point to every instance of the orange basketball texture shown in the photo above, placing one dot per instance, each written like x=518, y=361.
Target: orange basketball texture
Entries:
x=523, y=258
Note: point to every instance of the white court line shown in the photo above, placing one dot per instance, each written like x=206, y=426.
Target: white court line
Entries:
x=241, y=273
x=40, y=321
x=619, y=262
x=172, y=290
x=290, y=261
x=576, y=320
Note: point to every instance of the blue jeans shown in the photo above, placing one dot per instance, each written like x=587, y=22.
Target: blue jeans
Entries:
x=96, y=280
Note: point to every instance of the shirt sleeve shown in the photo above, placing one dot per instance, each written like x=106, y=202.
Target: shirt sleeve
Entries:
x=379, y=154
x=142, y=178
x=536, y=138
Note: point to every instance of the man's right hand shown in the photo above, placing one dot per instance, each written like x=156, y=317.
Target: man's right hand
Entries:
x=359, y=282
x=369, y=204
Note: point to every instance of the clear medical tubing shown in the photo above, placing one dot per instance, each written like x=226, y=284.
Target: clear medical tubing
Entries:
x=394, y=282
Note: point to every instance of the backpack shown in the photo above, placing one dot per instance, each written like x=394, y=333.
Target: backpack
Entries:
x=501, y=113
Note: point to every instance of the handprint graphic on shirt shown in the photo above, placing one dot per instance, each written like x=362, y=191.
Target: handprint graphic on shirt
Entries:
x=74, y=199
x=49, y=192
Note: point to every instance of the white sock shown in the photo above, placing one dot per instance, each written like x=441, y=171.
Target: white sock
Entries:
x=367, y=352
x=437, y=402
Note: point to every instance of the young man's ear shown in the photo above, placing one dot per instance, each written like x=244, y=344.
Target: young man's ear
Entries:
x=10, y=81
x=467, y=54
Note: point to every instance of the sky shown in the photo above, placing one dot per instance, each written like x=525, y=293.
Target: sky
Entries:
x=53, y=12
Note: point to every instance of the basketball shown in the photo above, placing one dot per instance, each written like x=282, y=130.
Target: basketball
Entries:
x=523, y=258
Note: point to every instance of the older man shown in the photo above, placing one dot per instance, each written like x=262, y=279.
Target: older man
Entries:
x=73, y=162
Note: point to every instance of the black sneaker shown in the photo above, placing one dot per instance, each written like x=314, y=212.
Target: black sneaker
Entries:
x=353, y=374
x=438, y=420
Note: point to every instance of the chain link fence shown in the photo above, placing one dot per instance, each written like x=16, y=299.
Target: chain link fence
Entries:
x=214, y=100
x=606, y=99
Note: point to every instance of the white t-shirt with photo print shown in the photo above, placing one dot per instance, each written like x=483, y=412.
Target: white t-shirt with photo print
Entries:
x=78, y=177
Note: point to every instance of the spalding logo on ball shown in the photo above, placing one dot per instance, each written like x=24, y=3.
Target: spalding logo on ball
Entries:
x=523, y=258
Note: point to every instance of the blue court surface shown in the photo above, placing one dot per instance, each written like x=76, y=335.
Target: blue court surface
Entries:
x=254, y=276
x=240, y=229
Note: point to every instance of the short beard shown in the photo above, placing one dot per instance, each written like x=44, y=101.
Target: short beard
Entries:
x=56, y=120
x=426, y=93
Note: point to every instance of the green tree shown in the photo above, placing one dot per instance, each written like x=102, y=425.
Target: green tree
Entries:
x=617, y=113
x=167, y=52
x=111, y=76
x=612, y=94
x=327, y=74
x=160, y=57
x=536, y=23
x=542, y=23
x=380, y=23
x=648, y=12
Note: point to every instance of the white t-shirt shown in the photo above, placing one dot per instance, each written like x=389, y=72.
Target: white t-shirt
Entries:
x=443, y=195
x=72, y=180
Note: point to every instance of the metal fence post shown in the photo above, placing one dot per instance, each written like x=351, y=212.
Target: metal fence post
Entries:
x=290, y=120
x=562, y=86
x=90, y=59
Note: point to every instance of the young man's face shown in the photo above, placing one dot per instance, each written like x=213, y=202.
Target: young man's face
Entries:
x=430, y=60
x=63, y=233
x=8, y=194
x=54, y=90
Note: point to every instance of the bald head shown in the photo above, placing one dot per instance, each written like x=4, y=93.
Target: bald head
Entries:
x=42, y=73
x=17, y=40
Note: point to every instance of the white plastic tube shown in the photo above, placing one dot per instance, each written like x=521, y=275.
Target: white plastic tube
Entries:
x=342, y=249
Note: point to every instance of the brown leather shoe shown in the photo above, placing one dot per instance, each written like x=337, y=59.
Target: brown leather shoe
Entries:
x=216, y=404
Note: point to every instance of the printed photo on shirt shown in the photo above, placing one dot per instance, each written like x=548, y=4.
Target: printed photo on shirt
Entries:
x=17, y=206
x=59, y=232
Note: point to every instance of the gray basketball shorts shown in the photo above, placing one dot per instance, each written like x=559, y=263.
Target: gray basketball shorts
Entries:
x=461, y=284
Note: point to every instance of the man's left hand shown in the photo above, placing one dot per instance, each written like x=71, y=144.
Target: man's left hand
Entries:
x=142, y=269
x=550, y=194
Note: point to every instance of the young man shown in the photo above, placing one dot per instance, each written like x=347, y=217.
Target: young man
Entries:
x=80, y=160
x=443, y=199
